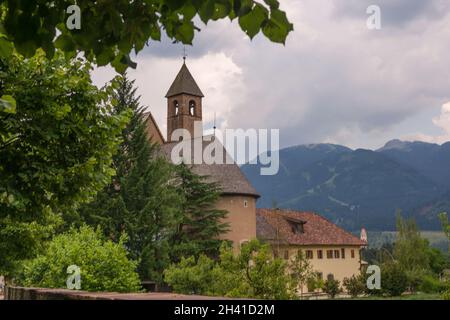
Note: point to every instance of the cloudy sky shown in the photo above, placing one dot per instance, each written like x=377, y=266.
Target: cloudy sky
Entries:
x=335, y=80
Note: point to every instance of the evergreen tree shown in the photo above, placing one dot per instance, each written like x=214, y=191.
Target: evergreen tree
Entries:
x=141, y=200
x=200, y=223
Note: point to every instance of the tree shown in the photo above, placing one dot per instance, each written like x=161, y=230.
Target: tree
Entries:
x=332, y=287
x=355, y=285
x=410, y=249
x=253, y=273
x=445, y=225
x=394, y=280
x=104, y=265
x=140, y=200
x=300, y=270
x=110, y=30
x=56, y=147
x=200, y=223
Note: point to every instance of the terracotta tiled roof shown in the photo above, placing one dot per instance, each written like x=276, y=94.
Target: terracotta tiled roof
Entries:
x=184, y=83
x=228, y=175
x=275, y=225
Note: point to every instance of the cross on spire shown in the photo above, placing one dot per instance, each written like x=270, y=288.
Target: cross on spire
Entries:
x=184, y=54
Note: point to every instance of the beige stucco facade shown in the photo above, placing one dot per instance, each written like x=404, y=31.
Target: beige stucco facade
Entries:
x=340, y=267
x=241, y=218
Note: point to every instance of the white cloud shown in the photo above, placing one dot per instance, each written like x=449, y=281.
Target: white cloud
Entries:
x=335, y=80
x=442, y=122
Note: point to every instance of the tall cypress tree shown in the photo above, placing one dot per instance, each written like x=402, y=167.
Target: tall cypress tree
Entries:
x=140, y=200
x=201, y=223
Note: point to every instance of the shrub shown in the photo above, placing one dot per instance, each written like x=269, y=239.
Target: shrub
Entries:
x=253, y=273
x=190, y=276
x=332, y=287
x=104, y=264
x=446, y=295
x=430, y=284
x=355, y=285
x=314, y=282
x=394, y=280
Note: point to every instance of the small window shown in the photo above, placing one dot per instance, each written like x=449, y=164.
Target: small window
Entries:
x=286, y=254
x=309, y=254
x=192, y=108
x=329, y=254
x=343, y=253
x=330, y=277
x=336, y=254
x=353, y=254
x=319, y=275
x=319, y=254
x=245, y=203
x=176, y=106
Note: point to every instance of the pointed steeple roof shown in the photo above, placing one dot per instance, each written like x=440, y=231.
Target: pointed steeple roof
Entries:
x=184, y=83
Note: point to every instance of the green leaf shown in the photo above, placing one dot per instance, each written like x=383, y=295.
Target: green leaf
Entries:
x=185, y=33
x=6, y=47
x=251, y=22
x=7, y=104
x=273, y=4
x=65, y=43
x=278, y=27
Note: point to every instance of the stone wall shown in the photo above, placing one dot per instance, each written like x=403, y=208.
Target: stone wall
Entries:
x=20, y=293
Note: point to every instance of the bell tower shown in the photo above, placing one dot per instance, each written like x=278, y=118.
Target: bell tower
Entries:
x=184, y=103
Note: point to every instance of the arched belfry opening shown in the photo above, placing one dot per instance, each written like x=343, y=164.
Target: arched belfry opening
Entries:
x=192, y=108
x=184, y=101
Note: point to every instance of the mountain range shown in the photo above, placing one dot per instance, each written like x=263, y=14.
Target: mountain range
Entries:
x=360, y=188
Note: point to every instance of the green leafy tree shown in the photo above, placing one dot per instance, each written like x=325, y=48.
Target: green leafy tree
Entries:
x=200, y=223
x=111, y=30
x=355, y=285
x=253, y=273
x=332, y=287
x=394, y=280
x=56, y=148
x=140, y=200
x=300, y=270
x=191, y=275
x=104, y=265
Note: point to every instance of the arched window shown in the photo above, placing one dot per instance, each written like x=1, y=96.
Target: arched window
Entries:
x=192, y=107
x=176, y=106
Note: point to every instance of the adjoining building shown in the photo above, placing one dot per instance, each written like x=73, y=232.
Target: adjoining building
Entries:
x=333, y=252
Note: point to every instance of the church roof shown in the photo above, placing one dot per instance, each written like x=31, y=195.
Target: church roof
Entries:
x=228, y=174
x=275, y=225
x=184, y=83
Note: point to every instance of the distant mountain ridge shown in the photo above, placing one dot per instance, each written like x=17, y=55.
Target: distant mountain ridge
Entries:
x=360, y=187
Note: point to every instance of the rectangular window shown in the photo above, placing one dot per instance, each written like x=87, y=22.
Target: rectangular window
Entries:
x=329, y=254
x=343, y=253
x=353, y=254
x=286, y=254
x=336, y=254
x=319, y=254
x=309, y=254
x=320, y=275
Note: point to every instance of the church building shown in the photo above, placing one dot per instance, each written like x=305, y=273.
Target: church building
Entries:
x=184, y=109
x=333, y=252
